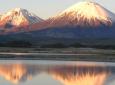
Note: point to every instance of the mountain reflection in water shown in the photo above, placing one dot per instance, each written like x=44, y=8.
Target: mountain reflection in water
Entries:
x=17, y=73
x=81, y=75
x=66, y=74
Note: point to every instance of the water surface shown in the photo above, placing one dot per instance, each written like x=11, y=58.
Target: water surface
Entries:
x=38, y=72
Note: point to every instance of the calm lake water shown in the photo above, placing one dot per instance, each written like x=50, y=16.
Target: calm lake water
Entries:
x=37, y=72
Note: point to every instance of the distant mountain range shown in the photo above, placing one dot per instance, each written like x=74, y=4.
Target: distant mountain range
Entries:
x=86, y=23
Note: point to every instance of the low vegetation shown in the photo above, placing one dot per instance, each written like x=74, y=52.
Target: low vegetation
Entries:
x=16, y=44
x=26, y=44
x=56, y=45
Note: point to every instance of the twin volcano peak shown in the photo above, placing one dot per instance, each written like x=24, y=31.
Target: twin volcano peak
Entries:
x=17, y=10
x=89, y=10
x=85, y=13
x=18, y=17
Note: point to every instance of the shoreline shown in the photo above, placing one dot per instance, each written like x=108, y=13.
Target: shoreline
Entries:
x=61, y=57
x=69, y=54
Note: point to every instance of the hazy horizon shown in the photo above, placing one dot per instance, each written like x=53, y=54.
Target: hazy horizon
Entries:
x=45, y=9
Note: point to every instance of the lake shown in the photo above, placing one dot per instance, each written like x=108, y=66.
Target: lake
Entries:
x=47, y=72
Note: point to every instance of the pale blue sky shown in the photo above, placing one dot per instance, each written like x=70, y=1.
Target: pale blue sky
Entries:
x=47, y=8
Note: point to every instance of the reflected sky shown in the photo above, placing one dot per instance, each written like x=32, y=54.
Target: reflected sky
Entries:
x=56, y=74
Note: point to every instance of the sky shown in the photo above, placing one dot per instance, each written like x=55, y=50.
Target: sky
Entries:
x=47, y=8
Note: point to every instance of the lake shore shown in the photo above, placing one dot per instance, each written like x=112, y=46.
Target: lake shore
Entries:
x=63, y=54
x=60, y=57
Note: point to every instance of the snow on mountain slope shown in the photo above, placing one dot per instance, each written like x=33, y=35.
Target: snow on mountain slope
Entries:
x=18, y=17
x=83, y=14
x=69, y=23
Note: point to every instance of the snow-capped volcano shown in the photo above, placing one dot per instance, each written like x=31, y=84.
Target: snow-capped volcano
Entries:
x=83, y=14
x=18, y=17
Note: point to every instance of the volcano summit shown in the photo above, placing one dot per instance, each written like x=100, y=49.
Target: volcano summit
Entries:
x=18, y=17
x=83, y=14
